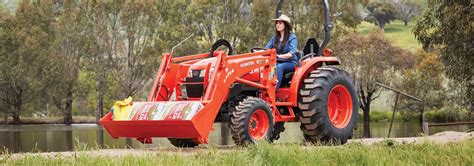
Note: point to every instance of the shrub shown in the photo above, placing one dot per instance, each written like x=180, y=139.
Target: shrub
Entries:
x=447, y=115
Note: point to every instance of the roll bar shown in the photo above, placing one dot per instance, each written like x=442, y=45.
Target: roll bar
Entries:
x=327, y=27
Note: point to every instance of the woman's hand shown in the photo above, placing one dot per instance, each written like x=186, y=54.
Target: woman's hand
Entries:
x=285, y=56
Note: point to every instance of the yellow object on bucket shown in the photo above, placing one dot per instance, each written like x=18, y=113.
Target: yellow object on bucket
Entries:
x=122, y=109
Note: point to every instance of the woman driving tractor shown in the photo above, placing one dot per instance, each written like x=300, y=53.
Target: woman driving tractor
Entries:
x=285, y=43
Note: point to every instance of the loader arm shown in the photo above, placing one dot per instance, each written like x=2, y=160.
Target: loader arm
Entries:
x=230, y=69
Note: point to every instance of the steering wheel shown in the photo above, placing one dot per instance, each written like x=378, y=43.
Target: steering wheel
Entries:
x=221, y=42
x=256, y=49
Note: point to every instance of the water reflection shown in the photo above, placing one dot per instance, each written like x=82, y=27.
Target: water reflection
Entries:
x=27, y=138
x=100, y=138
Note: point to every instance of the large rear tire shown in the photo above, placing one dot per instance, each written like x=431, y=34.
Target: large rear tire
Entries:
x=251, y=122
x=329, y=106
x=183, y=143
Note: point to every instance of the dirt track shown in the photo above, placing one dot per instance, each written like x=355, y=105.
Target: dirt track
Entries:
x=443, y=137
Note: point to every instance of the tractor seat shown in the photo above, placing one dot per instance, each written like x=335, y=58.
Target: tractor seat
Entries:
x=311, y=47
x=289, y=75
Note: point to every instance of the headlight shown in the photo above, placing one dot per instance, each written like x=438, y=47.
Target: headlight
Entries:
x=196, y=73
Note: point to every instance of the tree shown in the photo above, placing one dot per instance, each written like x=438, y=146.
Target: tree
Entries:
x=425, y=80
x=348, y=13
x=447, y=27
x=25, y=42
x=407, y=10
x=235, y=27
x=381, y=13
x=5, y=27
x=73, y=42
x=134, y=57
x=104, y=20
x=260, y=24
x=368, y=59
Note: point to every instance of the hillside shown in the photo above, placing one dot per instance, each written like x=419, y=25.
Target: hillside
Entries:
x=400, y=34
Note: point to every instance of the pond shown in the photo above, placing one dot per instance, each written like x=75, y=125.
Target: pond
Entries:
x=45, y=138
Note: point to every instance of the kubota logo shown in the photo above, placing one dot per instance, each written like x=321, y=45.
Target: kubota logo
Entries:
x=228, y=74
x=247, y=64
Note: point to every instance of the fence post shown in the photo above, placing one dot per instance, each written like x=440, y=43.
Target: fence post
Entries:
x=393, y=115
x=396, y=102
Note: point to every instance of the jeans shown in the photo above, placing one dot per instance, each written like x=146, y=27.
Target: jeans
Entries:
x=283, y=67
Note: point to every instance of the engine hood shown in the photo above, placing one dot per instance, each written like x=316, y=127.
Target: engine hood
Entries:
x=202, y=64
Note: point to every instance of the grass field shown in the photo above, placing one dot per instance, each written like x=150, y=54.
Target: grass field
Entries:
x=387, y=152
x=397, y=32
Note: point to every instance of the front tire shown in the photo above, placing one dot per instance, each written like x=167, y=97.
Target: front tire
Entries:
x=329, y=106
x=251, y=122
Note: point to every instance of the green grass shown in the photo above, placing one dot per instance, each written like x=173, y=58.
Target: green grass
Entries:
x=397, y=32
x=385, y=153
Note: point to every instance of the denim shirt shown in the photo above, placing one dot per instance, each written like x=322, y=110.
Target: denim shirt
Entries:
x=290, y=47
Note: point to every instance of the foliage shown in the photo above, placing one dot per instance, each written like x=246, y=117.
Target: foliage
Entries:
x=447, y=27
x=381, y=13
x=134, y=57
x=424, y=81
x=348, y=13
x=26, y=38
x=73, y=41
x=447, y=115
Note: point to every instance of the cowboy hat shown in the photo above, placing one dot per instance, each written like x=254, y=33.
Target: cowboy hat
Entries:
x=284, y=18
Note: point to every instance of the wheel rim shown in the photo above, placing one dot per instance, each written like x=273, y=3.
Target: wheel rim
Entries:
x=339, y=106
x=258, y=125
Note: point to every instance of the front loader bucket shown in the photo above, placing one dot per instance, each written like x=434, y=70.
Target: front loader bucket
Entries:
x=162, y=119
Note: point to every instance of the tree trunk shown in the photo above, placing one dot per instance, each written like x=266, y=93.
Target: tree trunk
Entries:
x=17, y=107
x=100, y=106
x=421, y=118
x=365, y=100
x=422, y=115
x=68, y=108
x=406, y=22
x=99, y=112
x=68, y=115
x=381, y=25
x=367, y=121
x=471, y=98
x=16, y=117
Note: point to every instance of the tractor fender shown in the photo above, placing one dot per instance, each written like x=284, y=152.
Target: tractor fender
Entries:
x=302, y=72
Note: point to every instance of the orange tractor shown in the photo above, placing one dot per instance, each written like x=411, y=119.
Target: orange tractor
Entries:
x=190, y=93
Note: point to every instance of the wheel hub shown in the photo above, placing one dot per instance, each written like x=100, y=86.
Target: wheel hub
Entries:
x=258, y=125
x=339, y=106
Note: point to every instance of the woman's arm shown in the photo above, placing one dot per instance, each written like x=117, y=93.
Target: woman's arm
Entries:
x=285, y=56
x=270, y=43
